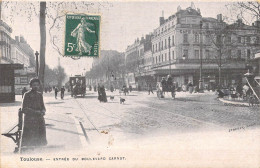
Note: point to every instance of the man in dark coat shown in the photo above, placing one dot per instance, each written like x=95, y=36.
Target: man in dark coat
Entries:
x=164, y=84
x=23, y=91
x=102, y=97
x=62, y=90
x=34, y=131
x=56, y=92
x=150, y=88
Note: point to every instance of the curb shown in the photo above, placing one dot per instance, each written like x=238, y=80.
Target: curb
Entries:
x=232, y=103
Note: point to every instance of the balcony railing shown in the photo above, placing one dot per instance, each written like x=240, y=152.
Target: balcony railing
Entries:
x=197, y=61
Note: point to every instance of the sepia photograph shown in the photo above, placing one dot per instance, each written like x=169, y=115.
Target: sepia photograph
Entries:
x=129, y=84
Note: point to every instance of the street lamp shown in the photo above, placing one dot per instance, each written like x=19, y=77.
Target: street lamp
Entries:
x=37, y=63
x=200, y=81
x=169, y=39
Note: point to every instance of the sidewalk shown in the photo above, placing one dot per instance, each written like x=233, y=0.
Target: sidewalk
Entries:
x=63, y=132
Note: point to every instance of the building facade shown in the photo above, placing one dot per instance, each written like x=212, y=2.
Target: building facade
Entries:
x=5, y=43
x=193, y=48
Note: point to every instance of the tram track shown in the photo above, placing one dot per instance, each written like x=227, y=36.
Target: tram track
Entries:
x=145, y=113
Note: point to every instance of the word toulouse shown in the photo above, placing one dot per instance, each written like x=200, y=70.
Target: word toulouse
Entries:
x=73, y=159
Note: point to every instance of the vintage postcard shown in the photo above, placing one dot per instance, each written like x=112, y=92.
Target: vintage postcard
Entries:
x=129, y=84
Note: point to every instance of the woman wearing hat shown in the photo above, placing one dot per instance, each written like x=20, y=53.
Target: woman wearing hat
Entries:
x=34, y=132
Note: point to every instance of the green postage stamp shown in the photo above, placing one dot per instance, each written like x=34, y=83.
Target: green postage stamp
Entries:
x=82, y=35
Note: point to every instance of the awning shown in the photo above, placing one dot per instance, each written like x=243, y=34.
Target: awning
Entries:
x=11, y=66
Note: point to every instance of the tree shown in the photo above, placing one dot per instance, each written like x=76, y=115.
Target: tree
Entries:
x=51, y=14
x=54, y=76
x=245, y=10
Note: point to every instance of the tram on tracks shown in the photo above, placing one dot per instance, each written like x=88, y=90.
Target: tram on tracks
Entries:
x=77, y=86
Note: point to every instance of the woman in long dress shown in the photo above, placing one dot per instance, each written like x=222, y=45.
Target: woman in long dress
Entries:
x=80, y=33
x=34, y=131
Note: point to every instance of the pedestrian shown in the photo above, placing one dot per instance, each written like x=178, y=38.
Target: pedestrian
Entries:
x=62, y=90
x=190, y=87
x=102, y=97
x=56, y=92
x=150, y=88
x=130, y=88
x=23, y=91
x=164, y=84
x=111, y=88
x=34, y=131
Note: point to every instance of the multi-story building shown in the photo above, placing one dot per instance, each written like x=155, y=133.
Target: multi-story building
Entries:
x=18, y=54
x=191, y=47
x=22, y=53
x=5, y=43
x=138, y=61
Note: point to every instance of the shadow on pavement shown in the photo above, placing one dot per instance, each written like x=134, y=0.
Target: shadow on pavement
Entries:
x=59, y=121
x=54, y=102
x=16, y=103
x=63, y=130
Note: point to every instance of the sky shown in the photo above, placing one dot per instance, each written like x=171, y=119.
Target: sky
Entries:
x=122, y=23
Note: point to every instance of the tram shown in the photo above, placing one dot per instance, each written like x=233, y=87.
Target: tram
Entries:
x=77, y=86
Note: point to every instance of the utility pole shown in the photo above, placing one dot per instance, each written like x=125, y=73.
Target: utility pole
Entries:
x=169, y=40
x=37, y=63
x=200, y=81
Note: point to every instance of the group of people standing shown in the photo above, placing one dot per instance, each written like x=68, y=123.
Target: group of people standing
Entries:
x=62, y=91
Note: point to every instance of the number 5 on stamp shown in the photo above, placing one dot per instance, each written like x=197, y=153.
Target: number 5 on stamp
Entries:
x=82, y=35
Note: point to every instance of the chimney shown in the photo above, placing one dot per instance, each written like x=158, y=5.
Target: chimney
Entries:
x=161, y=20
x=17, y=38
x=22, y=39
x=239, y=22
x=257, y=23
x=147, y=37
x=219, y=17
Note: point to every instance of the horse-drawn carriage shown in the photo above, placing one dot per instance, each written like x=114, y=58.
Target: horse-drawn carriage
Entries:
x=161, y=89
x=78, y=86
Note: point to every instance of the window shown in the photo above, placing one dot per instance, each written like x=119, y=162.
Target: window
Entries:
x=248, y=53
x=239, y=54
x=196, y=38
x=207, y=54
x=218, y=39
x=197, y=54
x=228, y=39
x=172, y=54
x=159, y=58
x=162, y=57
x=162, y=45
x=229, y=54
x=185, y=38
x=248, y=39
x=239, y=40
x=169, y=55
x=156, y=59
x=257, y=40
x=165, y=44
x=185, y=53
x=173, y=40
x=165, y=56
